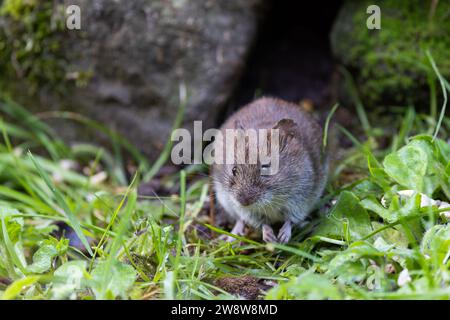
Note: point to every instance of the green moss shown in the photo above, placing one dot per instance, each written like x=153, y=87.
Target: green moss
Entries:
x=30, y=51
x=390, y=63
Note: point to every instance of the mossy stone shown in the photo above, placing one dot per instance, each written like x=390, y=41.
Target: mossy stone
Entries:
x=390, y=65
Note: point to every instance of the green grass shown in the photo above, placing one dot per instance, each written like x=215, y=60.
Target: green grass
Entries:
x=136, y=247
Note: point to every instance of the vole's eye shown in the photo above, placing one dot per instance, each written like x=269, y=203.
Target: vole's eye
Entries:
x=234, y=171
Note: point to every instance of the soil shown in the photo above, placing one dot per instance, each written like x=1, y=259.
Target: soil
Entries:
x=248, y=287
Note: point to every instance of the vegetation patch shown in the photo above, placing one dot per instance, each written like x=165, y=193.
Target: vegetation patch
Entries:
x=72, y=224
x=390, y=64
x=30, y=46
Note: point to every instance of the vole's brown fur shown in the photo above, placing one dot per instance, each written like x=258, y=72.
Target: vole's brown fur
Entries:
x=287, y=196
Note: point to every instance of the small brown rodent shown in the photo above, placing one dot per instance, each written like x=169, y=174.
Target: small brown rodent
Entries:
x=285, y=197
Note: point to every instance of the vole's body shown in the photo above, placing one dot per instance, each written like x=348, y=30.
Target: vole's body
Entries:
x=287, y=196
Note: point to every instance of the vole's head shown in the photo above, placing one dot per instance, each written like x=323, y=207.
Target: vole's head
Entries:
x=250, y=185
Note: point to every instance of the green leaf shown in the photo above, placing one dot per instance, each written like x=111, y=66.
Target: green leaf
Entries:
x=68, y=278
x=14, y=224
x=349, y=266
x=42, y=259
x=391, y=235
x=119, y=279
x=308, y=286
x=413, y=166
x=17, y=286
x=436, y=243
x=60, y=244
x=11, y=247
x=409, y=207
x=348, y=219
x=377, y=172
x=444, y=150
x=365, y=188
x=371, y=203
x=406, y=208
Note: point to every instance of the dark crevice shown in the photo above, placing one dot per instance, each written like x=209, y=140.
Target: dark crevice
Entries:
x=291, y=58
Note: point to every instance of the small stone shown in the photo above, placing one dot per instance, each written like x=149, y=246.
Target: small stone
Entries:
x=403, y=278
x=443, y=205
x=389, y=268
x=99, y=177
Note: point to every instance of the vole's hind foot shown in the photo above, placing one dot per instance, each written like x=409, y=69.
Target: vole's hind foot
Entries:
x=285, y=233
x=268, y=235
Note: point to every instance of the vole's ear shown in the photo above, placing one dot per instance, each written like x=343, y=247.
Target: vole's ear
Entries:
x=287, y=128
x=238, y=124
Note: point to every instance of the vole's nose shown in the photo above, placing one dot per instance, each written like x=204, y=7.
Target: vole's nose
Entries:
x=245, y=199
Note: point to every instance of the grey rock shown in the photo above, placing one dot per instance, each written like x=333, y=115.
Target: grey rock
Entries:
x=141, y=51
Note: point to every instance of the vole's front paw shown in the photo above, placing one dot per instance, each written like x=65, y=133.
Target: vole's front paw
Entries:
x=238, y=230
x=267, y=234
x=285, y=233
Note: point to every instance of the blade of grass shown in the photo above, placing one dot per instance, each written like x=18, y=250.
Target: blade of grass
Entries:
x=67, y=175
x=114, y=169
x=16, y=287
x=113, y=135
x=62, y=203
x=444, y=92
x=40, y=131
x=296, y=251
x=130, y=258
x=123, y=225
x=168, y=147
x=364, y=149
x=10, y=248
x=433, y=98
x=180, y=239
x=113, y=219
x=23, y=198
x=327, y=123
x=16, y=131
x=220, y=231
x=360, y=110
x=405, y=129
x=18, y=164
x=118, y=241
